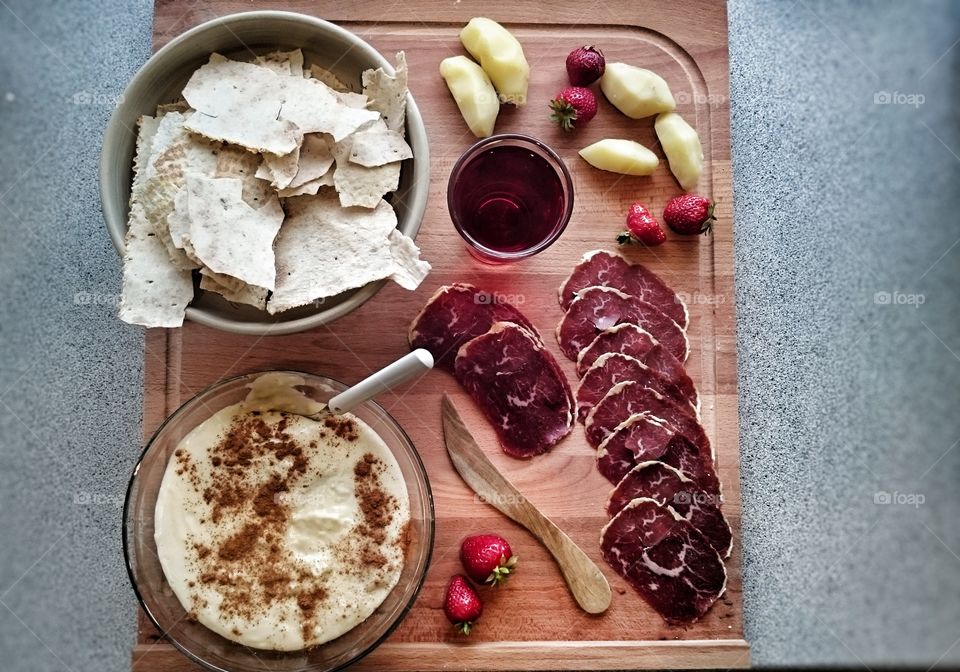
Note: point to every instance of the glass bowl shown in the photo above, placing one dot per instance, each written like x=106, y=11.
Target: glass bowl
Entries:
x=210, y=649
x=510, y=196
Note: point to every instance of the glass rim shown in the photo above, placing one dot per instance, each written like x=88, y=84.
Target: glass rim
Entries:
x=545, y=151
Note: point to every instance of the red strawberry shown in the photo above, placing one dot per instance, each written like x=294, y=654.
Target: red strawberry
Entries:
x=462, y=605
x=585, y=66
x=573, y=104
x=689, y=214
x=487, y=558
x=642, y=227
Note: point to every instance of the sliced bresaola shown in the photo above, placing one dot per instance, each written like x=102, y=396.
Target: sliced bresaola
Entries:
x=665, y=559
x=455, y=314
x=613, y=368
x=625, y=338
x=603, y=268
x=669, y=486
x=642, y=438
x=627, y=399
x=519, y=387
x=596, y=309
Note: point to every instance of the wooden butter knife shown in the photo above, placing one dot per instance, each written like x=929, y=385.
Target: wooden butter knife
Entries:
x=584, y=579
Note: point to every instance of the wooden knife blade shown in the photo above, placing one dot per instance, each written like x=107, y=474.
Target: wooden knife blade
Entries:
x=586, y=582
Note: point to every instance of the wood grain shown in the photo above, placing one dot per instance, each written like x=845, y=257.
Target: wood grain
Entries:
x=533, y=623
x=584, y=579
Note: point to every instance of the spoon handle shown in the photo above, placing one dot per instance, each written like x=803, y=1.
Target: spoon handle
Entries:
x=410, y=365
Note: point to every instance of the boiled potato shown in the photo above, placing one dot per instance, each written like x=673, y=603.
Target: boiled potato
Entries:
x=636, y=92
x=620, y=156
x=501, y=57
x=474, y=93
x=681, y=144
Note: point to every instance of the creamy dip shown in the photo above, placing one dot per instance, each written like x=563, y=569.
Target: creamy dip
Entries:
x=280, y=531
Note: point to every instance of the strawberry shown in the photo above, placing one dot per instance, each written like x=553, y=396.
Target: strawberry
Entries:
x=487, y=558
x=573, y=104
x=462, y=605
x=585, y=66
x=689, y=214
x=642, y=227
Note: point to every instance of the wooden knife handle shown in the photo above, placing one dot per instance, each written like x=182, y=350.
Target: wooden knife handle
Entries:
x=586, y=582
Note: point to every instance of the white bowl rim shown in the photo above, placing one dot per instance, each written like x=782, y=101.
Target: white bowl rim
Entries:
x=115, y=215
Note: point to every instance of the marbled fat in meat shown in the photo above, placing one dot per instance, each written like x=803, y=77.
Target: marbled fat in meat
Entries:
x=596, y=309
x=603, y=268
x=519, y=387
x=665, y=559
x=455, y=314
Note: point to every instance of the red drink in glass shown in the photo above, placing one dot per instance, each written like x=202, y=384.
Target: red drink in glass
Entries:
x=509, y=196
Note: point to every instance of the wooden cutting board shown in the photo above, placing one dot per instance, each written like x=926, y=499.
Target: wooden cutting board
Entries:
x=532, y=623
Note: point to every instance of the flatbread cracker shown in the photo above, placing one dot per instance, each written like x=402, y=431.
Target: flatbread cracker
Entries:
x=377, y=146
x=388, y=93
x=237, y=162
x=328, y=78
x=174, y=153
x=233, y=290
x=324, y=249
x=280, y=170
x=249, y=105
x=229, y=236
x=409, y=269
x=283, y=62
x=358, y=185
x=154, y=293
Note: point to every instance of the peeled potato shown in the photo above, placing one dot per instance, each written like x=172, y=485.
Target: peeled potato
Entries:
x=620, y=156
x=681, y=144
x=501, y=57
x=636, y=92
x=474, y=93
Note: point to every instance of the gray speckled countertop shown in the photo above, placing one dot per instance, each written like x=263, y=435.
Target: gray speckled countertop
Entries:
x=847, y=266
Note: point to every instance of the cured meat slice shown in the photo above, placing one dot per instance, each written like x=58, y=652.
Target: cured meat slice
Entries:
x=598, y=308
x=641, y=439
x=629, y=398
x=665, y=559
x=455, y=314
x=669, y=486
x=625, y=338
x=603, y=268
x=613, y=368
x=639, y=435
x=519, y=386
